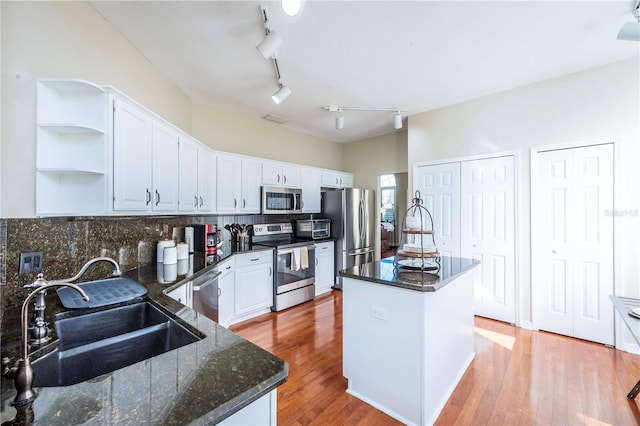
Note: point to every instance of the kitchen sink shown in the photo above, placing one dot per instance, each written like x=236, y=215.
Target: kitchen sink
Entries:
x=99, y=342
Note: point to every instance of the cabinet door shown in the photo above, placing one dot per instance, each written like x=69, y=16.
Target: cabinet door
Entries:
x=165, y=169
x=251, y=178
x=226, y=284
x=324, y=267
x=131, y=158
x=253, y=288
x=188, y=166
x=310, y=182
x=206, y=179
x=330, y=179
x=291, y=176
x=271, y=174
x=228, y=171
x=346, y=180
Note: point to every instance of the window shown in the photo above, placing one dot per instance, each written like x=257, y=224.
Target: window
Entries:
x=387, y=198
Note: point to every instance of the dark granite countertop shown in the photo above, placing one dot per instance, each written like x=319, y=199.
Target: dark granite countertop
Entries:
x=200, y=383
x=384, y=272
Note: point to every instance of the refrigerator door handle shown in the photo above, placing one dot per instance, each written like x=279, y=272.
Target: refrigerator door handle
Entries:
x=358, y=252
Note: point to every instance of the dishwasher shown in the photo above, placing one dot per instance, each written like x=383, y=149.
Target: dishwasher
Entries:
x=200, y=294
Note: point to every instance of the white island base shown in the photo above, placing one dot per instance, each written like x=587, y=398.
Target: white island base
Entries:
x=404, y=351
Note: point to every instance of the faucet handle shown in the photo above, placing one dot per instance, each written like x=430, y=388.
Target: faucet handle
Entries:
x=37, y=283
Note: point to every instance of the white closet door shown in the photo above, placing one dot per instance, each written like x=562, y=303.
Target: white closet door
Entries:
x=574, y=249
x=439, y=187
x=488, y=234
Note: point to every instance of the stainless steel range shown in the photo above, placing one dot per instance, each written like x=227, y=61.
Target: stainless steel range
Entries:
x=294, y=263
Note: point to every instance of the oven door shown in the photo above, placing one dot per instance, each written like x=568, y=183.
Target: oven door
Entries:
x=291, y=275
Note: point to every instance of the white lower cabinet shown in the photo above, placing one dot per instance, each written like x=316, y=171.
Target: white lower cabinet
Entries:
x=253, y=284
x=260, y=412
x=324, y=267
x=226, y=292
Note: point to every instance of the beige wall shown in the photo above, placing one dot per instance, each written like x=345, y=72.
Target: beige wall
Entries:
x=603, y=103
x=225, y=131
x=71, y=40
x=369, y=158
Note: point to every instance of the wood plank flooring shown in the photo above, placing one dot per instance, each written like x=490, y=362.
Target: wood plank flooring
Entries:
x=518, y=377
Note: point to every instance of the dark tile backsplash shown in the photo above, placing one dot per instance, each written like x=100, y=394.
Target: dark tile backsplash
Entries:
x=68, y=242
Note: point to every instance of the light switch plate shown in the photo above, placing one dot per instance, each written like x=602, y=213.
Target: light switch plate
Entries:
x=30, y=262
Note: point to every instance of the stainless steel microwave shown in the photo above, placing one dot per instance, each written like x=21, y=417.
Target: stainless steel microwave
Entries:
x=276, y=200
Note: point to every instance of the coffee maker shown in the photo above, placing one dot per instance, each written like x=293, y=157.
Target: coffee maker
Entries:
x=205, y=238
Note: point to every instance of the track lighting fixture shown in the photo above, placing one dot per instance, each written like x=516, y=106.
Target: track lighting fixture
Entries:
x=397, y=117
x=339, y=120
x=631, y=30
x=268, y=48
x=281, y=94
x=397, y=120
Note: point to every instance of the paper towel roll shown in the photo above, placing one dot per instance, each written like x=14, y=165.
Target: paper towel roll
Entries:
x=161, y=246
x=183, y=251
x=188, y=237
x=170, y=256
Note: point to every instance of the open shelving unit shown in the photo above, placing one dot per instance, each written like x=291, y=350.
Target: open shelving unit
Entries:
x=72, y=148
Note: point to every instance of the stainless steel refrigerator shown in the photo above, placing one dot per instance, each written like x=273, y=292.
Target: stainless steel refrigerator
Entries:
x=352, y=214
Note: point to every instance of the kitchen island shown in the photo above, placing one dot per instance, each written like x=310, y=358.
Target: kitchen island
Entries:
x=222, y=378
x=408, y=335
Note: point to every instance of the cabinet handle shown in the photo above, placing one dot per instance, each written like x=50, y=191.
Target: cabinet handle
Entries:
x=270, y=270
x=148, y=196
x=278, y=177
x=254, y=259
x=235, y=203
x=285, y=178
x=244, y=203
x=316, y=261
x=228, y=267
x=157, y=197
x=219, y=291
x=201, y=201
x=336, y=181
x=340, y=181
x=196, y=201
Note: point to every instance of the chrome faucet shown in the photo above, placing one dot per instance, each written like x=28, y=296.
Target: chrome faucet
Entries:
x=23, y=379
x=38, y=330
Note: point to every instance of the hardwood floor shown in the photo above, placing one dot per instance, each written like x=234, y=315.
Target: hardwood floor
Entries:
x=518, y=377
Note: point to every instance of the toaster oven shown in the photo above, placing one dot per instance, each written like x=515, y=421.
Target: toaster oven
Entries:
x=313, y=229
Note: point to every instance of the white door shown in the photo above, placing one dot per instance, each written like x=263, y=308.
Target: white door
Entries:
x=439, y=187
x=229, y=174
x=188, y=167
x=251, y=178
x=206, y=180
x=488, y=234
x=573, y=252
x=165, y=169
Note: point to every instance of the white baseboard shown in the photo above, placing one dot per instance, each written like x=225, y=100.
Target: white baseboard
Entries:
x=527, y=325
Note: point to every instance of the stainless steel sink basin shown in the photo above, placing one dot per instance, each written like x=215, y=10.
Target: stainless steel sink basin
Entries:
x=99, y=342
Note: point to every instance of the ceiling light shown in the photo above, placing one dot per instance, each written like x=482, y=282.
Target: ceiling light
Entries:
x=631, y=30
x=397, y=117
x=281, y=94
x=397, y=120
x=269, y=46
x=291, y=7
x=339, y=120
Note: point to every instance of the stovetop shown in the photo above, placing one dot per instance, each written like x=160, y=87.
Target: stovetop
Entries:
x=283, y=243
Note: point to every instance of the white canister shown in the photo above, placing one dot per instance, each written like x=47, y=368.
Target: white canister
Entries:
x=170, y=256
x=183, y=251
x=160, y=248
x=183, y=266
x=170, y=272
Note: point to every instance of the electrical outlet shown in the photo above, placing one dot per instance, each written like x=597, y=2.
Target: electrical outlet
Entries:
x=30, y=262
x=377, y=312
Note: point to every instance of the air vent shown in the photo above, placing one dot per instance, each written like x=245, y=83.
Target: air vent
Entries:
x=274, y=118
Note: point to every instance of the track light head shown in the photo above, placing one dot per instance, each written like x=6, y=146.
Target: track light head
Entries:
x=269, y=46
x=339, y=120
x=397, y=120
x=281, y=94
x=631, y=30
x=291, y=7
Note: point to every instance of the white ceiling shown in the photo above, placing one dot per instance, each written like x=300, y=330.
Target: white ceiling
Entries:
x=410, y=55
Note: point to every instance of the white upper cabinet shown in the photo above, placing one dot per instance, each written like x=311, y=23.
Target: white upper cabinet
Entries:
x=188, y=168
x=310, y=182
x=73, y=149
x=237, y=184
x=132, y=159
x=165, y=168
x=206, y=180
x=335, y=179
x=278, y=174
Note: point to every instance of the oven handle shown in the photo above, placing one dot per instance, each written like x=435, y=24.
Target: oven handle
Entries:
x=287, y=251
